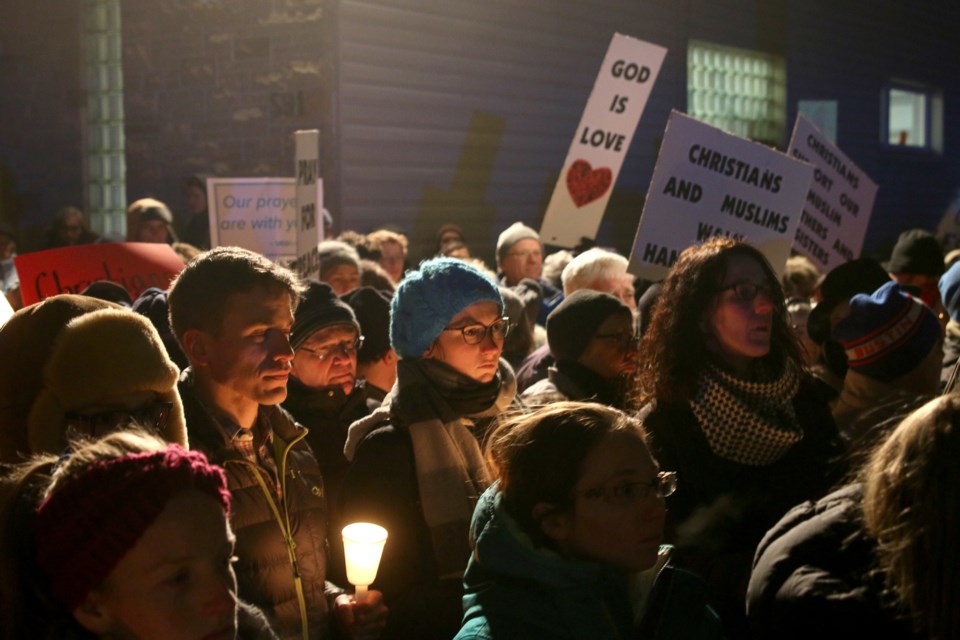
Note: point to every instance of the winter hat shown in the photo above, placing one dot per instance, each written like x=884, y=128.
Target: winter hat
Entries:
x=863, y=275
x=950, y=291
x=319, y=307
x=916, y=251
x=372, y=309
x=429, y=297
x=571, y=325
x=93, y=517
x=109, y=290
x=511, y=236
x=26, y=341
x=152, y=305
x=333, y=253
x=888, y=333
x=98, y=357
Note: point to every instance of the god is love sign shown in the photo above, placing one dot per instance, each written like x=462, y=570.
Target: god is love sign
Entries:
x=601, y=141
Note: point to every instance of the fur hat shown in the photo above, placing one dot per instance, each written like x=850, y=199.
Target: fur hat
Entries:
x=372, y=309
x=511, y=236
x=99, y=356
x=888, y=333
x=428, y=298
x=319, y=307
x=571, y=325
x=26, y=341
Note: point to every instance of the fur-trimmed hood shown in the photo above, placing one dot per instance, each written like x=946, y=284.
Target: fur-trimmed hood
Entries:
x=99, y=357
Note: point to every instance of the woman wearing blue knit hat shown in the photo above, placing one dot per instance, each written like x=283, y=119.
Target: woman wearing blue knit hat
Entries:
x=417, y=468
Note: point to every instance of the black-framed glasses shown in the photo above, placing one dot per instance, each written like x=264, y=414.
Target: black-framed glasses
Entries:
x=346, y=347
x=629, y=492
x=624, y=341
x=476, y=333
x=747, y=291
x=152, y=416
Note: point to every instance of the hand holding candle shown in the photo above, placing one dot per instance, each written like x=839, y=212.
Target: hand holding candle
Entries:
x=362, y=547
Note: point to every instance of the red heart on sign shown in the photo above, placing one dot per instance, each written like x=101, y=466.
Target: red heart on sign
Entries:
x=587, y=184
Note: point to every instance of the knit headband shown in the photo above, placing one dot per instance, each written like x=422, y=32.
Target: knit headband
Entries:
x=84, y=528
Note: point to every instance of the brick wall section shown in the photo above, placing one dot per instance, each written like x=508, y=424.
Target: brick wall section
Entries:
x=217, y=87
x=41, y=156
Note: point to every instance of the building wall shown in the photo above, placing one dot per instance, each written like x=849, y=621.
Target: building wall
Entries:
x=41, y=102
x=439, y=110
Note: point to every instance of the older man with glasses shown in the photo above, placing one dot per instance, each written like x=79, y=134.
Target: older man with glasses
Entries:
x=324, y=394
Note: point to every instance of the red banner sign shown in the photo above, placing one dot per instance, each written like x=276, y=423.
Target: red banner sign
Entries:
x=136, y=266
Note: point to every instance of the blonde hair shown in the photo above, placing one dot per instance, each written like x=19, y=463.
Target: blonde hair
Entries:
x=911, y=506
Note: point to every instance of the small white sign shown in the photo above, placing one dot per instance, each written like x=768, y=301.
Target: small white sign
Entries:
x=602, y=138
x=259, y=214
x=839, y=203
x=710, y=183
x=309, y=203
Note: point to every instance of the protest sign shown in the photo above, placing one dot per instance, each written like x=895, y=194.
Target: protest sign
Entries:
x=838, y=205
x=309, y=203
x=136, y=266
x=711, y=183
x=5, y=310
x=259, y=214
x=601, y=140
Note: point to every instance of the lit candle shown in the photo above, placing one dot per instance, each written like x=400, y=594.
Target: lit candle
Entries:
x=362, y=547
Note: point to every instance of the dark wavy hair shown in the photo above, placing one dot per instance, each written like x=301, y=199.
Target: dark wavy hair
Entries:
x=673, y=353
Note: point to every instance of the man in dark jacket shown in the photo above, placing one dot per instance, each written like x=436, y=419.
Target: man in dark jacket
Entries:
x=232, y=311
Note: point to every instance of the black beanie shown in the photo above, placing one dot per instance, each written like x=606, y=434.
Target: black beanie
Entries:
x=372, y=308
x=571, y=325
x=319, y=307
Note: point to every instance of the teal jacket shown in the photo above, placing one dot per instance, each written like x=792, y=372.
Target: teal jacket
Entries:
x=513, y=591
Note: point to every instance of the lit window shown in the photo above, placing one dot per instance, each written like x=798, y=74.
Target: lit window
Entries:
x=105, y=170
x=738, y=90
x=913, y=117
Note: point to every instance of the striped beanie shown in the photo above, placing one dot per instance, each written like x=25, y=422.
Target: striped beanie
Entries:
x=888, y=333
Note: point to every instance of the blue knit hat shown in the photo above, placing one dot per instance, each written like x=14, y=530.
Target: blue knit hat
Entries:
x=428, y=298
x=888, y=333
x=950, y=291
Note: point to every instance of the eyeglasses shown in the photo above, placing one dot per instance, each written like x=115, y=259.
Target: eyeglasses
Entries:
x=624, y=341
x=476, y=333
x=747, y=291
x=626, y=493
x=529, y=253
x=152, y=416
x=346, y=347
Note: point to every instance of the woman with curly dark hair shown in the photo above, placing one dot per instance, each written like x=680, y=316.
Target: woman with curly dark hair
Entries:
x=730, y=408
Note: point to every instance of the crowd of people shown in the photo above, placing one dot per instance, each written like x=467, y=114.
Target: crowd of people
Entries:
x=555, y=448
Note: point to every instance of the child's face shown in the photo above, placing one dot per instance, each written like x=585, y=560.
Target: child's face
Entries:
x=176, y=583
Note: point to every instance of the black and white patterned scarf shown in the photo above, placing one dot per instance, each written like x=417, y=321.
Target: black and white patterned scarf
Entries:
x=748, y=421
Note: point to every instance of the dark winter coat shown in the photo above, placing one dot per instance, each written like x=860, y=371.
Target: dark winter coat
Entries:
x=382, y=486
x=515, y=591
x=263, y=522
x=815, y=577
x=722, y=509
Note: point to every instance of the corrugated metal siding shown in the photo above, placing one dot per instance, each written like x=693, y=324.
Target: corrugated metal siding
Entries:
x=416, y=76
x=487, y=93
